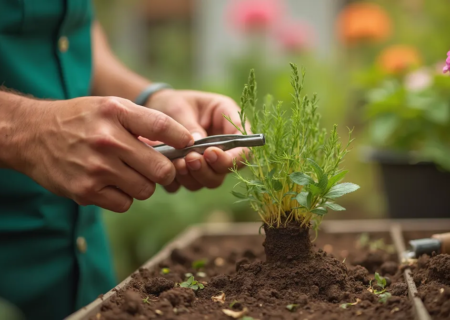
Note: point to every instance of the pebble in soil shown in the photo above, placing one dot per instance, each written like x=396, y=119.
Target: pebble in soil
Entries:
x=314, y=288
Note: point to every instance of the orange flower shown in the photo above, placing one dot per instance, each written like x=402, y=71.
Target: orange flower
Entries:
x=399, y=58
x=359, y=22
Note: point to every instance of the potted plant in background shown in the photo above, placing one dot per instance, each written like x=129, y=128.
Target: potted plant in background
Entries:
x=408, y=116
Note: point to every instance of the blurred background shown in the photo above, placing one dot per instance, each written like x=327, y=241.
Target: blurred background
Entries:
x=375, y=65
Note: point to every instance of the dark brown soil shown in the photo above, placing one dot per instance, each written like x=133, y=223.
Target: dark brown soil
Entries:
x=432, y=278
x=287, y=244
x=238, y=277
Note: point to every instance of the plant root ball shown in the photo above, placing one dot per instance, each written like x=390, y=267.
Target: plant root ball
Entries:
x=157, y=285
x=179, y=296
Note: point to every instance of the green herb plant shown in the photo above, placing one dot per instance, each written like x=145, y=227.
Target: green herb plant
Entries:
x=192, y=284
x=296, y=175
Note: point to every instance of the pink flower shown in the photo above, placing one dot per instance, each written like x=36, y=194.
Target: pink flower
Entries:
x=255, y=15
x=447, y=64
x=296, y=36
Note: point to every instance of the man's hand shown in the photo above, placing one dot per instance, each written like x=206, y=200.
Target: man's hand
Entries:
x=202, y=114
x=87, y=149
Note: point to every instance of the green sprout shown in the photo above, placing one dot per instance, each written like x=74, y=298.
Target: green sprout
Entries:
x=383, y=298
x=296, y=175
x=382, y=283
x=198, y=264
x=146, y=300
x=165, y=271
x=346, y=305
x=192, y=284
x=233, y=303
x=291, y=307
x=379, y=244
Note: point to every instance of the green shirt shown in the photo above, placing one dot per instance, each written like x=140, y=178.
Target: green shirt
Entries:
x=54, y=256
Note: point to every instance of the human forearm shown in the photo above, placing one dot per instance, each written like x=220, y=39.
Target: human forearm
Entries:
x=14, y=112
x=111, y=77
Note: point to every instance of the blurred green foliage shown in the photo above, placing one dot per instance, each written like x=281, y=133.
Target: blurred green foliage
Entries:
x=411, y=115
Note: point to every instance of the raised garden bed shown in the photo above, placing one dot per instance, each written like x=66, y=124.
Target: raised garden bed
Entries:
x=229, y=261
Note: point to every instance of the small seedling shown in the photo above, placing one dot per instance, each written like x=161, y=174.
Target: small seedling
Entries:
x=379, y=244
x=346, y=305
x=246, y=318
x=233, y=303
x=382, y=294
x=381, y=282
x=146, y=300
x=198, y=264
x=192, y=284
x=383, y=297
x=165, y=271
x=291, y=307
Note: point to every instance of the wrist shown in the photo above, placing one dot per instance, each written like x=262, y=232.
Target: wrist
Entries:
x=16, y=125
x=147, y=93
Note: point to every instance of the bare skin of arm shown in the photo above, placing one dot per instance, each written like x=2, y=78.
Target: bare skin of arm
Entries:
x=200, y=112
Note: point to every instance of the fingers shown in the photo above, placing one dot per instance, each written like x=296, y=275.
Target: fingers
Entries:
x=184, y=113
x=154, y=125
x=173, y=187
x=148, y=162
x=218, y=160
x=202, y=172
x=184, y=178
x=113, y=199
x=132, y=183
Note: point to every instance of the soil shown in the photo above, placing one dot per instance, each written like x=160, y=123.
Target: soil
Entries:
x=295, y=282
x=432, y=278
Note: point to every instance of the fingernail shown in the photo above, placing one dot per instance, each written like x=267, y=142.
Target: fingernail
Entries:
x=194, y=165
x=197, y=136
x=211, y=156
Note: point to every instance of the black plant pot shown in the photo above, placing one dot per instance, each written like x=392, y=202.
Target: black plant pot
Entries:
x=419, y=190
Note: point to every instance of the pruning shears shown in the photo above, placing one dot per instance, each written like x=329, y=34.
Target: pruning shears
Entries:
x=224, y=142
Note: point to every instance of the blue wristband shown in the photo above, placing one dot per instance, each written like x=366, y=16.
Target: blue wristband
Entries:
x=149, y=91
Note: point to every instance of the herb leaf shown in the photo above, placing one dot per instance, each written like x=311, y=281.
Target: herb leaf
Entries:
x=301, y=178
x=340, y=189
x=384, y=297
x=334, y=206
x=302, y=199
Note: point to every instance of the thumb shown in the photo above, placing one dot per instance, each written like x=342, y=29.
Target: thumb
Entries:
x=189, y=119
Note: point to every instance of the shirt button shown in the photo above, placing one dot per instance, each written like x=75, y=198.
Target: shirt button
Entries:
x=63, y=44
x=81, y=244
